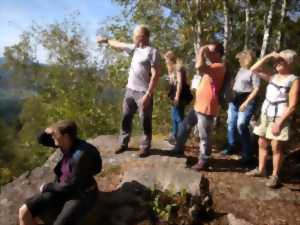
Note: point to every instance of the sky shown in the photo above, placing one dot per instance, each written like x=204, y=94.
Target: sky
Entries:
x=17, y=16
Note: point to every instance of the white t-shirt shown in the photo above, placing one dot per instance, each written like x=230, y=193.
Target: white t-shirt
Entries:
x=140, y=69
x=277, y=96
x=245, y=81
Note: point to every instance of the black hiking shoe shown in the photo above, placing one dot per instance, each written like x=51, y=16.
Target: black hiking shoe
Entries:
x=121, y=149
x=143, y=152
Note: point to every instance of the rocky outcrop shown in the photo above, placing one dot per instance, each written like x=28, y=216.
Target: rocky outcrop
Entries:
x=126, y=185
x=137, y=191
x=232, y=220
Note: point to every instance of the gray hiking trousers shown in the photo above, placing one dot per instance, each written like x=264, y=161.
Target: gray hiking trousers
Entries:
x=131, y=104
x=205, y=125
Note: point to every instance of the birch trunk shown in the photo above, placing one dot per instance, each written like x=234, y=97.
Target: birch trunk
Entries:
x=267, y=29
x=226, y=27
x=198, y=27
x=281, y=22
x=247, y=24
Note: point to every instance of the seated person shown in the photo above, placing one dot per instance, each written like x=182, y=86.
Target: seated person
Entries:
x=74, y=190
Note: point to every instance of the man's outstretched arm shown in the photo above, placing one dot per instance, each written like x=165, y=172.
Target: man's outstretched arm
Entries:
x=118, y=45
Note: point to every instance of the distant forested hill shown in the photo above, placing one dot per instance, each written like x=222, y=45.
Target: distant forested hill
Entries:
x=3, y=73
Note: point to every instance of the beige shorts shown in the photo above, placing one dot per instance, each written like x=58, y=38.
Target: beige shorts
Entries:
x=264, y=129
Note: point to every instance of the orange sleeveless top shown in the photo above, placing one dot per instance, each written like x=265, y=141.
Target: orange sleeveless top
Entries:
x=207, y=100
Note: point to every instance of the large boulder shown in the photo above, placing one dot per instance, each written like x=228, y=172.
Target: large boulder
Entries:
x=126, y=186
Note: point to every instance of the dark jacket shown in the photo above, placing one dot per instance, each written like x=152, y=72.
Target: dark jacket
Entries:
x=85, y=162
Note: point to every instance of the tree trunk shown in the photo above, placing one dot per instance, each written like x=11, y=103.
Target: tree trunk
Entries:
x=281, y=22
x=267, y=29
x=226, y=27
x=198, y=27
x=247, y=24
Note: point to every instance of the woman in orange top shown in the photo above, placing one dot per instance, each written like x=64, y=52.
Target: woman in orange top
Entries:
x=207, y=96
x=206, y=104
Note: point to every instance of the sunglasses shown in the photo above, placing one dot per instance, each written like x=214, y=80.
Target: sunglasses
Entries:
x=279, y=61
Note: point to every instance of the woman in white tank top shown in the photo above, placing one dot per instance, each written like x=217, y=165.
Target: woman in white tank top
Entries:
x=279, y=105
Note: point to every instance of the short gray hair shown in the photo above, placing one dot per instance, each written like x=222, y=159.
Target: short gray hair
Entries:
x=288, y=55
x=144, y=28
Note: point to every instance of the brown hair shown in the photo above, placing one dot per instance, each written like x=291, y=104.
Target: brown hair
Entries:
x=247, y=58
x=219, y=48
x=66, y=127
x=170, y=55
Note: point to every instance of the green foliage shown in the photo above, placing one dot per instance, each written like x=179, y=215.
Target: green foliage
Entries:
x=69, y=87
x=168, y=206
x=7, y=155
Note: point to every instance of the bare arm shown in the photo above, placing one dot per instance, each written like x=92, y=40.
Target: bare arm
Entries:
x=200, y=60
x=250, y=97
x=261, y=72
x=179, y=86
x=113, y=43
x=155, y=74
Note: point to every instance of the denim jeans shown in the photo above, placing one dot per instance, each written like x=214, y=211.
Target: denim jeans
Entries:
x=238, y=127
x=185, y=128
x=177, y=115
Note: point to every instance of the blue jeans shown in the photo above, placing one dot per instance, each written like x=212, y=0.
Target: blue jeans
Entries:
x=177, y=115
x=185, y=128
x=238, y=127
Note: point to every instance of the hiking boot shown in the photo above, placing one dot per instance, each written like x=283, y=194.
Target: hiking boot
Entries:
x=200, y=165
x=273, y=182
x=121, y=149
x=144, y=152
x=176, y=151
x=256, y=173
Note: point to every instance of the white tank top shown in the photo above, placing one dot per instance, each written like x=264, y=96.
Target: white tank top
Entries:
x=277, y=96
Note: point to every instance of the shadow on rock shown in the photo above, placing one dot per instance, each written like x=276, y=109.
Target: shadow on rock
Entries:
x=135, y=204
x=291, y=168
x=130, y=204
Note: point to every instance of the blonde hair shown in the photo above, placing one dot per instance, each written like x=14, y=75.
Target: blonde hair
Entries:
x=288, y=55
x=171, y=57
x=246, y=58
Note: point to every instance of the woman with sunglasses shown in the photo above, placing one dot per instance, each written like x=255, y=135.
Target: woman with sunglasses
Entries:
x=279, y=105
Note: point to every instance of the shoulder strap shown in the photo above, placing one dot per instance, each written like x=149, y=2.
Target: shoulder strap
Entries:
x=132, y=52
x=292, y=79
